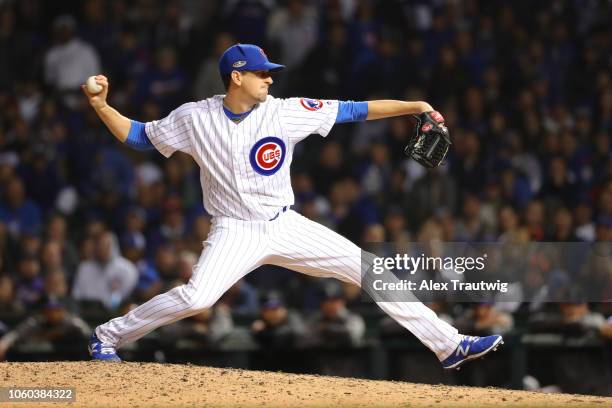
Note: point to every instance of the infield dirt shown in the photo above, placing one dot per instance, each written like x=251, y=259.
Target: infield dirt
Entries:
x=168, y=385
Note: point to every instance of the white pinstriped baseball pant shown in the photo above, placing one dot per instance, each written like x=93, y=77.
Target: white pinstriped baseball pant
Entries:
x=235, y=247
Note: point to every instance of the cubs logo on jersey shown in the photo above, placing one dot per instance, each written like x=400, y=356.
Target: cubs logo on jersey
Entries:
x=311, y=104
x=267, y=155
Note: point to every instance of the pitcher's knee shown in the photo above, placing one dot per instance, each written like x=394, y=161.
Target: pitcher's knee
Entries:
x=198, y=305
x=195, y=300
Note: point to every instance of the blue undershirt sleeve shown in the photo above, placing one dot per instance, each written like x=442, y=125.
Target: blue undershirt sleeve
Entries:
x=350, y=111
x=137, y=138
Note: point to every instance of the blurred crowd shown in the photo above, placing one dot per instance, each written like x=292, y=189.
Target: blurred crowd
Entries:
x=525, y=88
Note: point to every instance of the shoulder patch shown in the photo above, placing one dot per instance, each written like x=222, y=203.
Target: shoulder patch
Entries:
x=311, y=104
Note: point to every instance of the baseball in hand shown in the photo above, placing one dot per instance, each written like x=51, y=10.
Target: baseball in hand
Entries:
x=92, y=86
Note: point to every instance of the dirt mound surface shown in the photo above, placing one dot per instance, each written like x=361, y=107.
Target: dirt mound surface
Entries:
x=168, y=385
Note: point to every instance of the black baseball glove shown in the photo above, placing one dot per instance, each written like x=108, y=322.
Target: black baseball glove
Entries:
x=430, y=141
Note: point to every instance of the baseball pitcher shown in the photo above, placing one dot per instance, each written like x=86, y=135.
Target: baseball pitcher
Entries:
x=243, y=143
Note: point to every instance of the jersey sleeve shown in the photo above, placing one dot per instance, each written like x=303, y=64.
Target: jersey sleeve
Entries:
x=304, y=116
x=174, y=132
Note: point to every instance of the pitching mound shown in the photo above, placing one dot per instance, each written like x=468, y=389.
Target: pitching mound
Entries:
x=168, y=385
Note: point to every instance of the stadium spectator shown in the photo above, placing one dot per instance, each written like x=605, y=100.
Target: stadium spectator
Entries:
x=199, y=231
x=242, y=299
x=8, y=301
x=483, y=319
x=395, y=226
x=352, y=209
x=135, y=228
x=97, y=29
x=334, y=326
x=166, y=262
x=435, y=189
x=133, y=245
x=468, y=164
x=296, y=22
x=186, y=262
x=42, y=175
x=149, y=283
x=56, y=286
x=562, y=228
x=534, y=220
x=510, y=228
x=208, y=328
x=108, y=278
x=51, y=257
x=576, y=371
x=375, y=171
x=173, y=226
x=207, y=81
x=326, y=65
x=174, y=26
x=29, y=287
x=573, y=318
x=469, y=227
x=584, y=224
x=559, y=187
x=331, y=167
x=54, y=325
x=20, y=214
x=277, y=327
x=514, y=188
x=373, y=233
x=70, y=61
x=130, y=59
x=181, y=177
x=165, y=83
x=247, y=19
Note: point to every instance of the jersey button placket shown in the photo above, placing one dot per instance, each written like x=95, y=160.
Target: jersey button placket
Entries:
x=233, y=141
x=237, y=150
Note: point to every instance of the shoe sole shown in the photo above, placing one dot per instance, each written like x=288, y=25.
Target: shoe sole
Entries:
x=493, y=347
x=107, y=360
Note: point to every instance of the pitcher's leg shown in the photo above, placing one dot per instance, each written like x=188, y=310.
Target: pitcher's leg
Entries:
x=308, y=247
x=229, y=254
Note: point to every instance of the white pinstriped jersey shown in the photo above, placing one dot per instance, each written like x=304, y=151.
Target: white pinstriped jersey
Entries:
x=244, y=167
x=246, y=182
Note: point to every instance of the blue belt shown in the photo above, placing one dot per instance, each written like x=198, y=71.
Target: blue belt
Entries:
x=285, y=208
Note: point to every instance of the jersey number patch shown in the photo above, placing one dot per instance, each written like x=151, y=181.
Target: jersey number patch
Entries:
x=267, y=155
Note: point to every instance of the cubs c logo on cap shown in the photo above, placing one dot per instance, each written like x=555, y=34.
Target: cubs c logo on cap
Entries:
x=267, y=155
x=311, y=104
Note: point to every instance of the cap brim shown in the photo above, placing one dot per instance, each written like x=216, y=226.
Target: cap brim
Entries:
x=269, y=66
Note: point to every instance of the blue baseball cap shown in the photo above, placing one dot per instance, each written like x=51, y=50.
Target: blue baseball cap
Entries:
x=246, y=57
